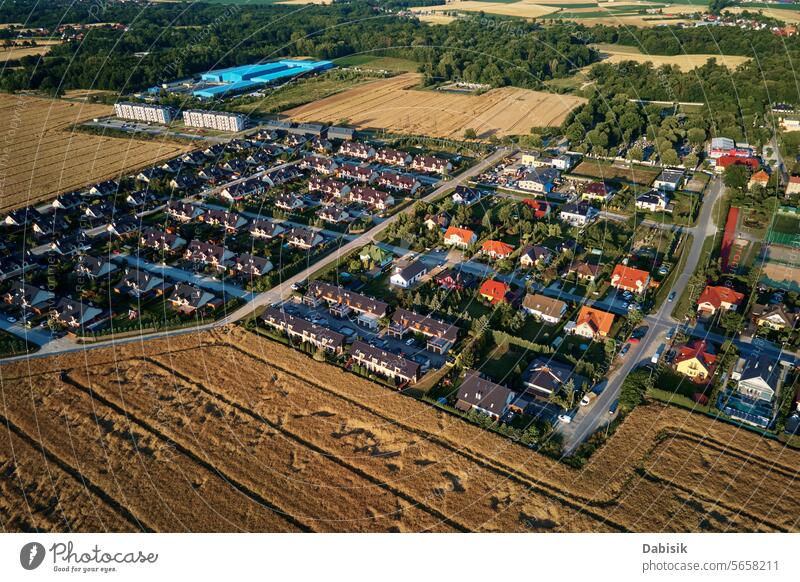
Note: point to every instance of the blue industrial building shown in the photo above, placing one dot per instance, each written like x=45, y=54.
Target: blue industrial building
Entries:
x=247, y=77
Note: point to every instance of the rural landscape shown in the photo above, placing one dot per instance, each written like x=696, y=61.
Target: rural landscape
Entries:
x=403, y=266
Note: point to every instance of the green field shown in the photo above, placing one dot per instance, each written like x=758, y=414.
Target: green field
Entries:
x=785, y=230
x=393, y=64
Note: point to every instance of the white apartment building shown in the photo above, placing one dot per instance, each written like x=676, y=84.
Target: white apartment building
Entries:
x=219, y=120
x=143, y=112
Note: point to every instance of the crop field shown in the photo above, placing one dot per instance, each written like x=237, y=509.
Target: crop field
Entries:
x=10, y=53
x=523, y=8
x=604, y=171
x=611, y=53
x=393, y=105
x=46, y=158
x=228, y=431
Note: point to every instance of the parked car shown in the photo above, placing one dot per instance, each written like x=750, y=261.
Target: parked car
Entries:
x=671, y=296
x=588, y=398
x=613, y=408
x=410, y=341
x=639, y=332
x=11, y=319
x=565, y=417
x=624, y=350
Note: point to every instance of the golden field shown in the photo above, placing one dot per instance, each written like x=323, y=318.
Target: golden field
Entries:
x=42, y=156
x=616, y=54
x=228, y=431
x=394, y=105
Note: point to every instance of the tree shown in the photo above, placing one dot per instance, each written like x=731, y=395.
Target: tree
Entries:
x=696, y=136
x=736, y=176
x=669, y=157
x=470, y=133
x=634, y=388
x=636, y=153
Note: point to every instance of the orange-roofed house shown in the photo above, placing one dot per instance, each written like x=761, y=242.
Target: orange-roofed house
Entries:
x=494, y=291
x=696, y=360
x=496, y=249
x=540, y=208
x=459, y=237
x=793, y=186
x=593, y=323
x=630, y=279
x=760, y=178
x=718, y=298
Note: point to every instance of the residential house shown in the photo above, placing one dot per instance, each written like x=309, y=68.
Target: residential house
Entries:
x=386, y=364
x=535, y=255
x=182, y=182
x=187, y=298
x=669, y=180
x=206, y=253
x=230, y=221
x=431, y=164
x=106, y=188
x=27, y=297
x=266, y=229
x=484, y=396
x=538, y=180
x=282, y=176
x=496, y=249
x=541, y=208
x=149, y=174
x=578, y=215
x=760, y=178
x=392, y=157
x=545, y=377
x=341, y=302
x=183, y=211
x=398, y=182
x=250, y=265
x=464, y=196
x=342, y=133
x=75, y=314
x=328, y=187
x=304, y=331
x=93, y=267
x=334, y=214
x=243, y=189
x=375, y=199
x=696, y=360
x=194, y=158
x=358, y=150
x=596, y=192
x=212, y=175
x=459, y=237
x=452, y=279
x=289, y=202
x=793, y=185
x=495, y=291
x=630, y=279
x=775, y=317
x=562, y=162
x=758, y=377
x=584, y=271
x=318, y=164
x=653, y=201
x=140, y=284
x=160, y=240
x=172, y=166
x=303, y=238
x=544, y=308
x=375, y=257
x=363, y=174
x=433, y=221
x=718, y=297
x=405, y=277
x=592, y=323
x=724, y=162
x=439, y=336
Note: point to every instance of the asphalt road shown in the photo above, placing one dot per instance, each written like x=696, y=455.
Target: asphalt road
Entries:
x=589, y=418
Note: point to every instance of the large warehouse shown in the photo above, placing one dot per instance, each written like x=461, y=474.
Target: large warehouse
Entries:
x=248, y=77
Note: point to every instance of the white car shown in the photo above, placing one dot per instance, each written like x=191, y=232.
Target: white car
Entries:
x=565, y=418
x=11, y=319
x=410, y=342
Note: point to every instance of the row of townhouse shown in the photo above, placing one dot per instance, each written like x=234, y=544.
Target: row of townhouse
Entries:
x=439, y=335
x=420, y=163
x=342, y=302
x=303, y=330
x=64, y=310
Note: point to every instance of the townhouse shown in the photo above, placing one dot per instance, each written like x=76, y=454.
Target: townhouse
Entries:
x=374, y=199
x=230, y=221
x=209, y=254
x=328, y=187
x=304, y=331
x=386, y=364
x=93, y=267
x=250, y=265
x=431, y=164
x=342, y=302
x=187, y=299
x=29, y=297
x=140, y=284
x=318, y=164
x=358, y=150
x=303, y=238
x=183, y=211
x=289, y=202
x=439, y=336
x=266, y=229
x=334, y=214
x=160, y=240
x=75, y=314
x=363, y=174
x=392, y=157
x=398, y=182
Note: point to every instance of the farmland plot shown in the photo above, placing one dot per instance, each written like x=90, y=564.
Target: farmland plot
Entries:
x=43, y=157
x=272, y=440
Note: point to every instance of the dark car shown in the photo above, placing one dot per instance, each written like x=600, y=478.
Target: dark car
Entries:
x=639, y=332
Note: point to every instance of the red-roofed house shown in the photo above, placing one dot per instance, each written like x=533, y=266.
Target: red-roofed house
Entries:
x=630, y=279
x=459, y=237
x=540, y=208
x=593, y=323
x=496, y=249
x=793, y=186
x=727, y=161
x=718, y=297
x=494, y=291
x=696, y=360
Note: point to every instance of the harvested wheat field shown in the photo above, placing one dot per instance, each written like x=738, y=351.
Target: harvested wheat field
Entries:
x=11, y=53
x=228, y=431
x=393, y=105
x=522, y=8
x=44, y=157
x=610, y=53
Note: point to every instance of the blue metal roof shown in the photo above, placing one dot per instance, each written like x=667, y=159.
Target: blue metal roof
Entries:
x=245, y=77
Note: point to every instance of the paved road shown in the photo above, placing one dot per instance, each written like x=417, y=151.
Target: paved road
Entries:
x=35, y=335
x=283, y=289
x=588, y=419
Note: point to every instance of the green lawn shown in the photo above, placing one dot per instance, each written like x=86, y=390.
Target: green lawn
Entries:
x=377, y=62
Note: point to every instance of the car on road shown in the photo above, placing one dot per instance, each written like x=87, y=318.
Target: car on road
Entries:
x=624, y=350
x=670, y=333
x=633, y=340
x=565, y=417
x=639, y=332
x=299, y=285
x=671, y=296
x=588, y=398
x=613, y=408
x=11, y=320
